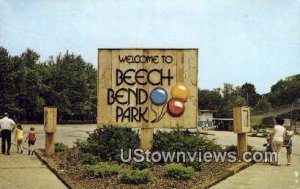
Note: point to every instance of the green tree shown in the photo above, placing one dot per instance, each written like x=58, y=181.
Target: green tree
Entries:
x=71, y=86
x=7, y=87
x=285, y=91
x=263, y=104
x=248, y=92
x=210, y=100
x=28, y=83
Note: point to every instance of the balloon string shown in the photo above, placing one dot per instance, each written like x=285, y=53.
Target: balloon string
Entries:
x=160, y=117
x=162, y=114
x=154, y=111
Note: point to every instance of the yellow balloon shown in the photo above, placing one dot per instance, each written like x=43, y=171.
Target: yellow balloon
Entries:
x=180, y=91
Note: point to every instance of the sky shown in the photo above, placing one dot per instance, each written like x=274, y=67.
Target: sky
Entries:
x=254, y=41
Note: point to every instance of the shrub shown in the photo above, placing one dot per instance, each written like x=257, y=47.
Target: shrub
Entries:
x=90, y=160
x=178, y=171
x=69, y=156
x=82, y=145
x=233, y=148
x=101, y=170
x=182, y=141
x=135, y=176
x=196, y=164
x=142, y=165
x=107, y=142
x=74, y=157
x=59, y=147
x=230, y=148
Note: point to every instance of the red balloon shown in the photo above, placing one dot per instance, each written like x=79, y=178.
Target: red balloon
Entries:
x=175, y=107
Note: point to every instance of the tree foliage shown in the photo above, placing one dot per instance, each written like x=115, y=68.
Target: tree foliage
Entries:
x=66, y=81
x=285, y=91
x=263, y=104
x=248, y=92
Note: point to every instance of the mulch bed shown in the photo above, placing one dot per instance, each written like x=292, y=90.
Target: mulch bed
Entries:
x=73, y=177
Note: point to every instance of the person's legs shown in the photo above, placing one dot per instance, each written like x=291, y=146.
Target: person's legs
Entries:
x=29, y=148
x=3, y=141
x=21, y=146
x=32, y=148
x=8, y=142
x=279, y=145
x=276, y=148
x=289, y=156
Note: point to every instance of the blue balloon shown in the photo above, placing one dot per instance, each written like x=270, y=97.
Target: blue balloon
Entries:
x=158, y=96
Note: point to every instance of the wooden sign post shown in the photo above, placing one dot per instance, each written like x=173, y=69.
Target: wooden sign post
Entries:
x=50, y=122
x=241, y=125
x=147, y=88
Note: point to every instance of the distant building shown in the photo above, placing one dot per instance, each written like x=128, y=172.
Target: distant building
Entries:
x=223, y=123
x=205, y=118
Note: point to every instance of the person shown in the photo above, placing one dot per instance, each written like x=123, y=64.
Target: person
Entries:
x=7, y=127
x=288, y=143
x=269, y=149
x=277, y=136
x=19, y=138
x=31, y=140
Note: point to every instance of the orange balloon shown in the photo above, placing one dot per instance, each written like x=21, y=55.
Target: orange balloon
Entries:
x=175, y=107
x=180, y=91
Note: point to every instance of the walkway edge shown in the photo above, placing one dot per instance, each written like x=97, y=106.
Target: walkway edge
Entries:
x=53, y=170
x=231, y=173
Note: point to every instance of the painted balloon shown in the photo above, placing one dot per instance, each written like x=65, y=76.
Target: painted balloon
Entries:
x=175, y=107
x=180, y=91
x=158, y=96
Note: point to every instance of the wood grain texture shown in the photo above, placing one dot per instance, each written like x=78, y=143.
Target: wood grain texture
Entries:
x=184, y=69
x=104, y=111
x=241, y=124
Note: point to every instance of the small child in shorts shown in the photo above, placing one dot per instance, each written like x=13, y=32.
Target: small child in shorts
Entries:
x=269, y=149
x=19, y=138
x=288, y=143
x=31, y=140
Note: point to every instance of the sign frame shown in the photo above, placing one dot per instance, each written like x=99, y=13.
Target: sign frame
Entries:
x=241, y=119
x=184, y=68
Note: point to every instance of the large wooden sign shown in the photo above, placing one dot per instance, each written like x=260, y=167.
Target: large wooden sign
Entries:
x=147, y=88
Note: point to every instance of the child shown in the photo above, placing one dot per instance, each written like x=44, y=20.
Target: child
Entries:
x=19, y=138
x=288, y=143
x=31, y=140
x=269, y=149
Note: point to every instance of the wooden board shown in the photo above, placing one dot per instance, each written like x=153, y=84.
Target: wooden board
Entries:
x=127, y=76
x=50, y=119
x=241, y=119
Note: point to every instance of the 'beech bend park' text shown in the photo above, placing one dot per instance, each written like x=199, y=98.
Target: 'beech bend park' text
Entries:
x=129, y=93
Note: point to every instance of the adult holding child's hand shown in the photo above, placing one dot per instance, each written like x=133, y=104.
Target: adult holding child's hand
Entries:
x=7, y=127
x=277, y=136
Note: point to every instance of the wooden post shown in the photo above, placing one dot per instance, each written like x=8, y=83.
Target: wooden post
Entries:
x=50, y=121
x=146, y=138
x=241, y=144
x=49, y=144
x=241, y=126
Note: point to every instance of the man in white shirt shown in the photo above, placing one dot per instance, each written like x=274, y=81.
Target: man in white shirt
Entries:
x=7, y=126
x=278, y=136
